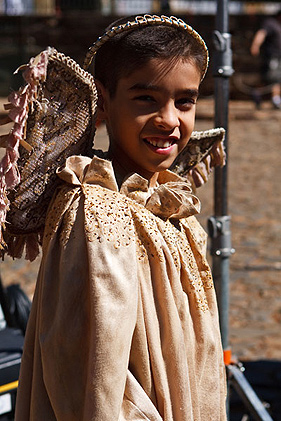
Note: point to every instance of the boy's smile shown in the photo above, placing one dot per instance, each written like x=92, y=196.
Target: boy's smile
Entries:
x=151, y=116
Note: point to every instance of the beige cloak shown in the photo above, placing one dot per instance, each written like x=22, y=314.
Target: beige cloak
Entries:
x=124, y=322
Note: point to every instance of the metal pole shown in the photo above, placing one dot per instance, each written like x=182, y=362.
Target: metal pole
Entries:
x=247, y=394
x=219, y=224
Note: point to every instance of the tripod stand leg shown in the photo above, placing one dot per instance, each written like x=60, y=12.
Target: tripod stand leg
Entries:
x=238, y=381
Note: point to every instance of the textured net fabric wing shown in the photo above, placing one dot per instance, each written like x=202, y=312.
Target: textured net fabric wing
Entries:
x=204, y=151
x=60, y=122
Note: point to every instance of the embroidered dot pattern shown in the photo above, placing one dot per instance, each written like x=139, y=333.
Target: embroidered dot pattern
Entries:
x=111, y=216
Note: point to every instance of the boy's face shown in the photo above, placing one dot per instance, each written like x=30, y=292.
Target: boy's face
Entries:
x=151, y=116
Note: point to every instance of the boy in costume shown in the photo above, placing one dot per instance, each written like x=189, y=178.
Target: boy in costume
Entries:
x=124, y=322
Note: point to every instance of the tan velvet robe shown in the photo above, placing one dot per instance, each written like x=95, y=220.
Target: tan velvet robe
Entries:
x=124, y=322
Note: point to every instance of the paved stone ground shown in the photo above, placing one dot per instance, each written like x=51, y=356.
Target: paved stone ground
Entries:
x=254, y=205
x=254, y=197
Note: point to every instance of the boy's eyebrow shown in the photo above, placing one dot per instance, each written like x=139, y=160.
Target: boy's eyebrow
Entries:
x=156, y=88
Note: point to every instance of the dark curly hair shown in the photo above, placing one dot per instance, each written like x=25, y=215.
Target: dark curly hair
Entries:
x=128, y=51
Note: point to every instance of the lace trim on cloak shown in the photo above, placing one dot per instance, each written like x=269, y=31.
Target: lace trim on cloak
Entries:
x=54, y=118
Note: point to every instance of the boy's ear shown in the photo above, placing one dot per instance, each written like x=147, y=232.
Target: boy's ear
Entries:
x=101, y=102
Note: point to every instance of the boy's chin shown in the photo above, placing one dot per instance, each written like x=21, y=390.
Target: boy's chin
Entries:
x=165, y=166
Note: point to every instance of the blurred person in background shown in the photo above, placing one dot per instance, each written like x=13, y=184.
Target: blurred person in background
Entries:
x=267, y=42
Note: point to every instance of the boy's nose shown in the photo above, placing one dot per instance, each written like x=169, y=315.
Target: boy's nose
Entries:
x=167, y=118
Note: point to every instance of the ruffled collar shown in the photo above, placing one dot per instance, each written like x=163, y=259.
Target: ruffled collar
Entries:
x=171, y=198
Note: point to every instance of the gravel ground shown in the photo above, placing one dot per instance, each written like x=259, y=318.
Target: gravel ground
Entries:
x=254, y=192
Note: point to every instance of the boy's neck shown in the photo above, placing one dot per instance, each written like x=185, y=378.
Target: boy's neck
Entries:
x=122, y=170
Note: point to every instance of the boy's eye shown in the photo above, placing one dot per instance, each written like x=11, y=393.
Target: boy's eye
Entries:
x=145, y=98
x=186, y=102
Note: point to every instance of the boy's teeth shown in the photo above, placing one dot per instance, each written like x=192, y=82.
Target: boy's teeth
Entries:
x=160, y=143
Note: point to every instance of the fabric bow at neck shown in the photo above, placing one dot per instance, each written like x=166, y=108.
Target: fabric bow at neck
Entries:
x=171, y=198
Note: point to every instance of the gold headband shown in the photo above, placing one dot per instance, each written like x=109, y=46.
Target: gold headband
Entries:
x=146, y=20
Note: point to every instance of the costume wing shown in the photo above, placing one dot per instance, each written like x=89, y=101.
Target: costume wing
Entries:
x=203, y=152
x=54, y=117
